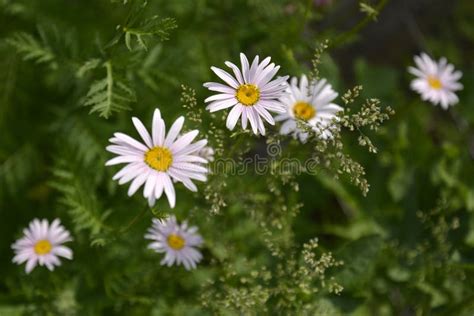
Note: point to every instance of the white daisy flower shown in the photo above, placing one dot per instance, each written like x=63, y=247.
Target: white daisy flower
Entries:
x=178, y=242
x=436, y=81
x=311, y=103
x=159, y=159
x=42, y=244
x=251, y=93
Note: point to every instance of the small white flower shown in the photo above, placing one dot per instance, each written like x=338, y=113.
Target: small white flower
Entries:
x=251, y=93
x=207, y=153
x=159, y=159
x=436, y=81
x=178, y=242
x=311, y=103
x=42, y=244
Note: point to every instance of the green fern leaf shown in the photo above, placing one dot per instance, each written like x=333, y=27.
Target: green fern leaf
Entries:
x=78, y=197
x=32, y=49
x=110, y=94
x=152, y=27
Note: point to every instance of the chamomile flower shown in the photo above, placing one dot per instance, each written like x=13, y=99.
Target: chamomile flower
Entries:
x=310, y=103
x=161, y=158
x=42, y=244
x=252, y=94
x=436, y=81
x=178, y=242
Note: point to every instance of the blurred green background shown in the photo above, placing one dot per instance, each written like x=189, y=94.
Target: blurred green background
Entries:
x=407, y=246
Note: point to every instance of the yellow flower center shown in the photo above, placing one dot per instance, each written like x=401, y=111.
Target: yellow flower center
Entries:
x=304, y=111
x=248, y=94
x=43, y=247
x=176, y=242
x=159, y=158
x=434, y=83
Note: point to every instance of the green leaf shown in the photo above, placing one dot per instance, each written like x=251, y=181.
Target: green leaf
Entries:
x=110, y=94
x=360, y=258
x=32, y=49
x=149, y=28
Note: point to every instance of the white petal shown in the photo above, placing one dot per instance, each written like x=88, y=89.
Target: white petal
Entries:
x=245, y=67
x=131, y=141
x=169, y=191
x=158, y=129
x=233, y=116
x=219, y=87
x=123, y=159
x=137, y=183
x=224, y=75
x=63, y=252
x=174, y=131
x=184, y=141
x=142, y=131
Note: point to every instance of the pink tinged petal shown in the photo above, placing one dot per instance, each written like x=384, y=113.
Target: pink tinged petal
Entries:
x=420, y=64
x=169, y=191
x=244, y=118
x=253, y=120
x=186, y=264
x=129, y=171
x=62, y=251
x=174, y=131
x=304, y=85
x=49, y=263
x=193, y=147
x=190, y=158
x=196, y=255
x=233, y=116
x=123, y=159
x=23, y=256
x=278, y=85
x=131, y=141
x=264, y=113
x=263, y=64
x=159, y=186
x=416, y=72
x=263, y=74
x=158, y=129
x=44, y=229
x=151, y=200
x=190, y=167
x=288, y=127
x=261, y=126
x=63, y=237
x=31, y=264
x=318, y=87
x=221, y=105
x=141, y=129
x=181, y=175
x=266, y=79
x=236, y=71
x=224, y=75
x=150, y=183
x=35, y=227
x=219, y=87
x=245, y=67
x=221, y=96
x=137, y=183
x=282, y=117
x=183, y=141
x=253, y=69
x=122, y=150
x=190, y=185
x=273, y=106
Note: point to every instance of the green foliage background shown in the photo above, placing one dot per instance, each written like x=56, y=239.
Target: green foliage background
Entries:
x=73, y=72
